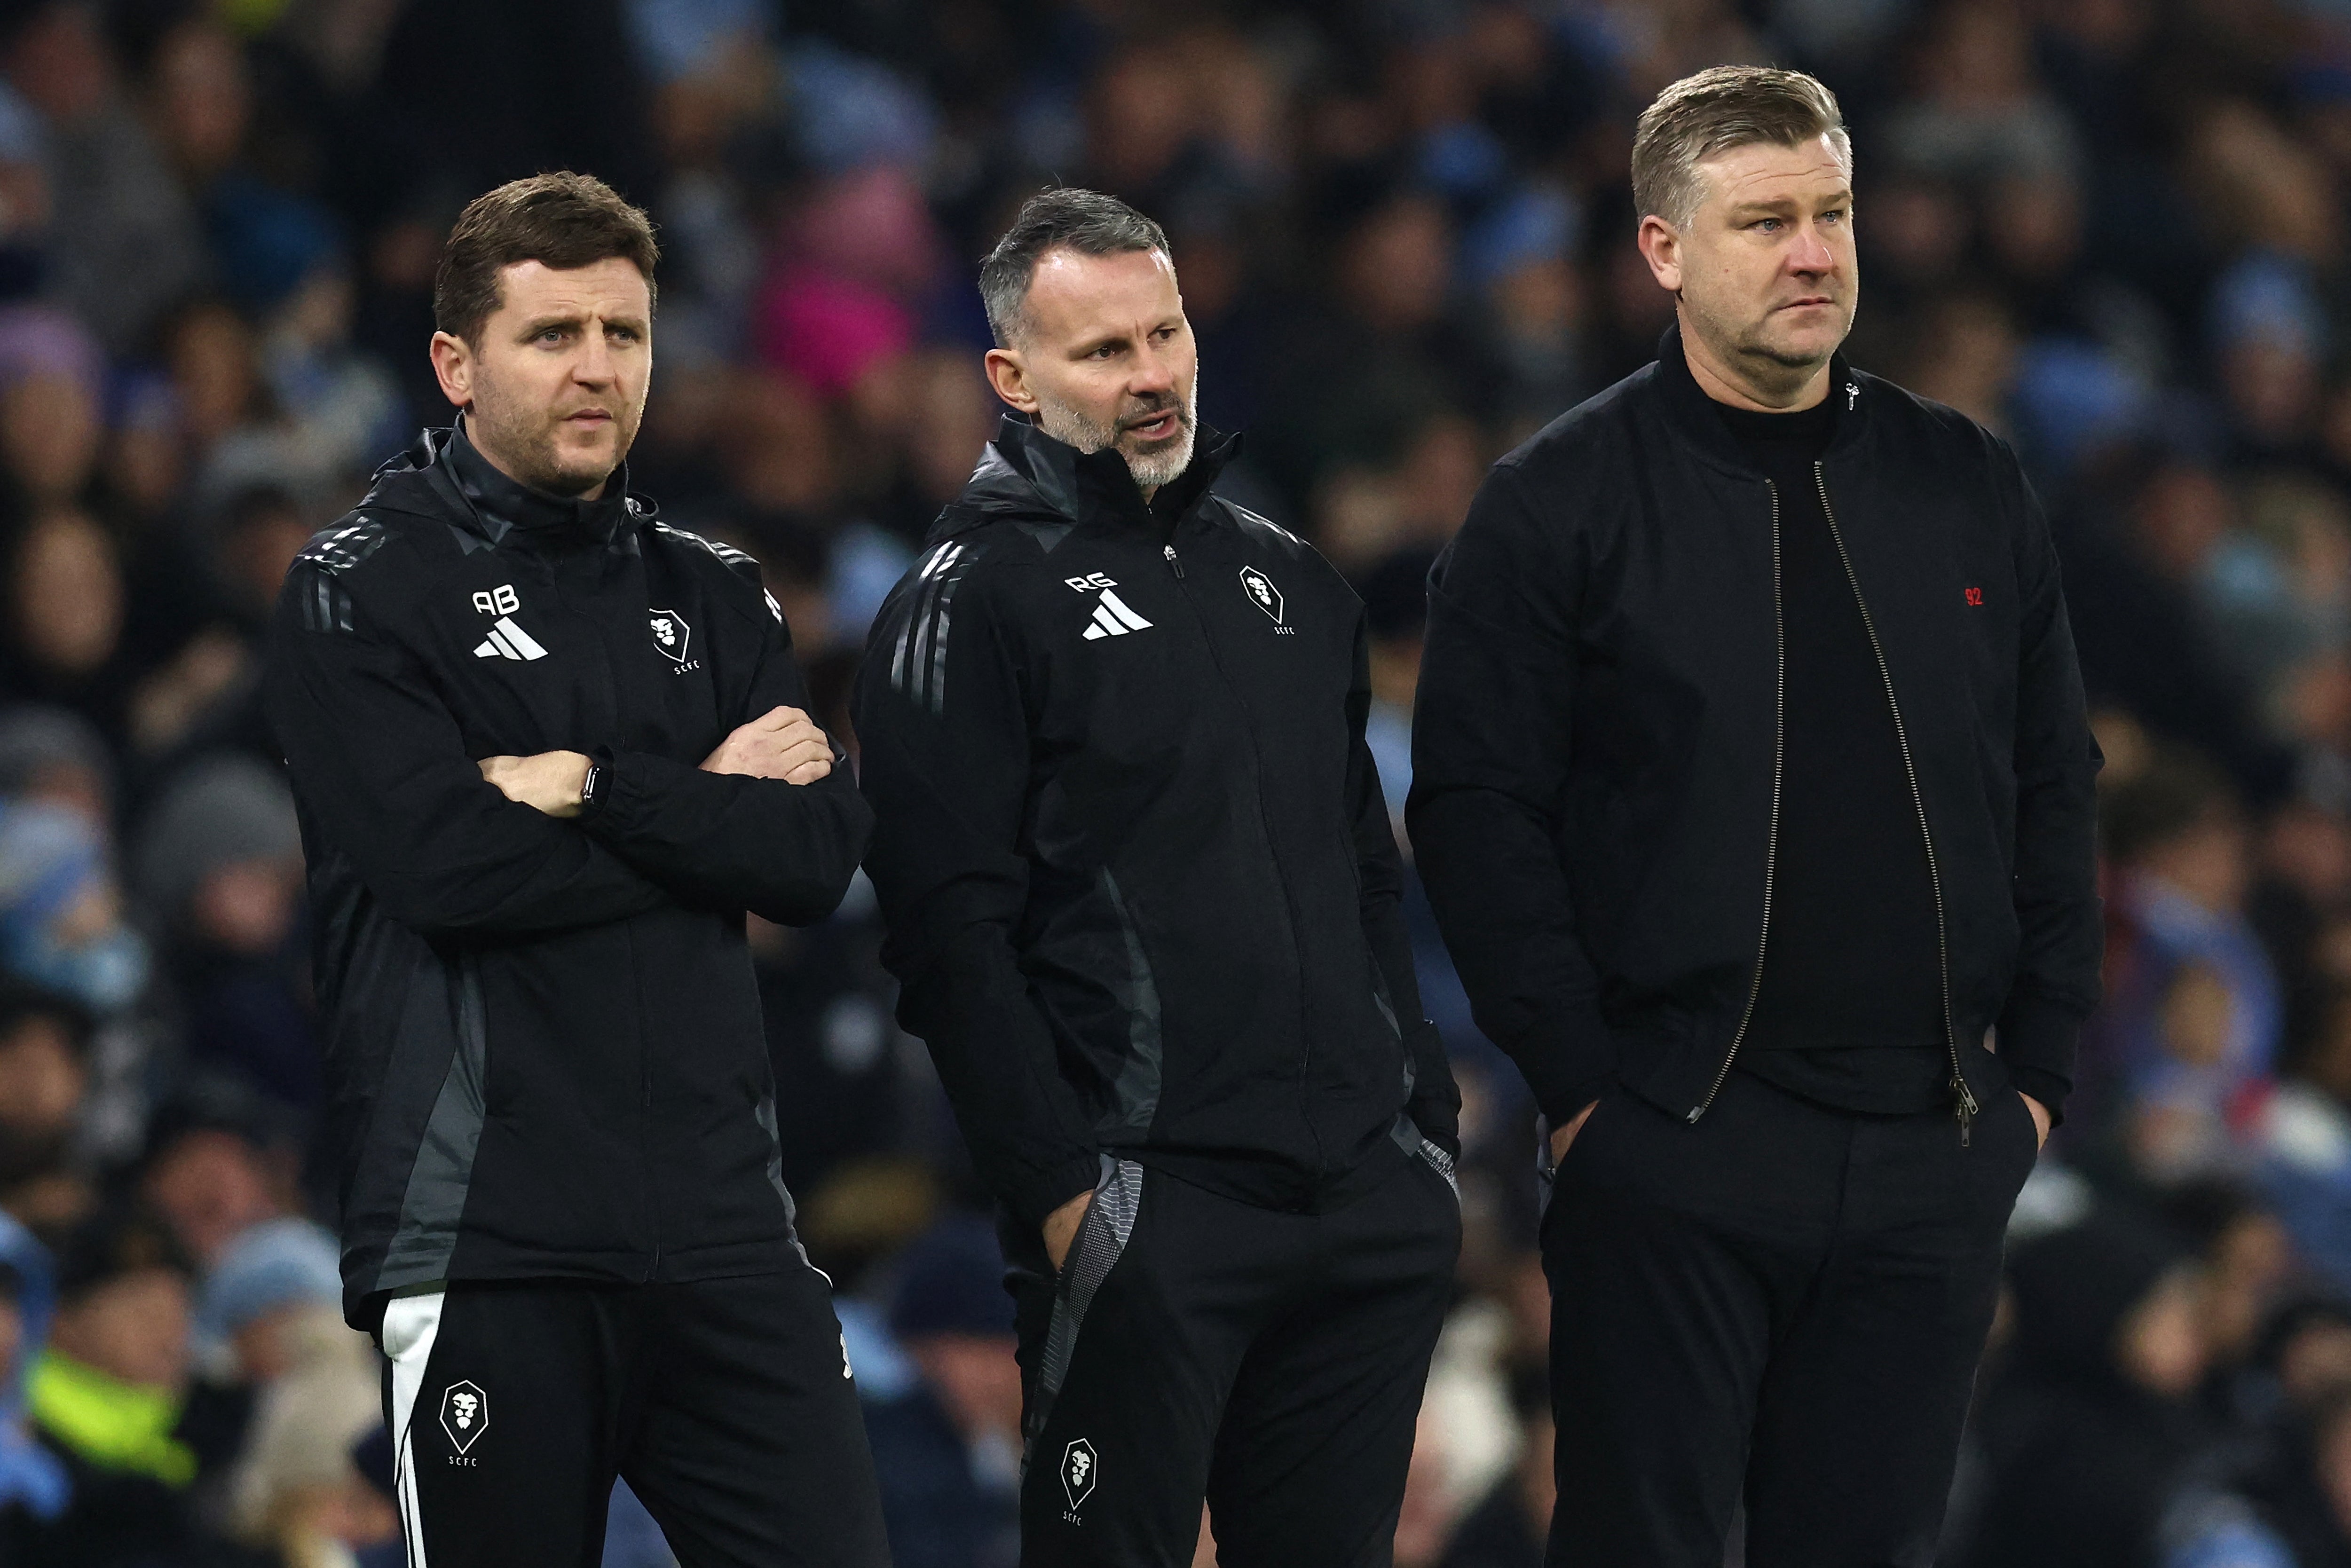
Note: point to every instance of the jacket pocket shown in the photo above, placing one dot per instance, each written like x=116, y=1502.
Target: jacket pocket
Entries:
x=1102, y=1239
x=1442, y=1164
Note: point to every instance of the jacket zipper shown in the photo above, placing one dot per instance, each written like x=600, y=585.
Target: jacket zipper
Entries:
x=1963, y=1099
x=1176, y=565
x=1771, y=836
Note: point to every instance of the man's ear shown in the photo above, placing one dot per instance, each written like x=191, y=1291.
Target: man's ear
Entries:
x=1661, y=248
x=453, y=364
x=1010, y=377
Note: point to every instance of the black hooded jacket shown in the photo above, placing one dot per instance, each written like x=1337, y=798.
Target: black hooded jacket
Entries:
x=1596, y=749
x=544, y=1051
x=1141, y=887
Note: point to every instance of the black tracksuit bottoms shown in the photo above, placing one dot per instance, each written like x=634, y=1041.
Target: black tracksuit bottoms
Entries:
x=1194, y=1347
x=727, y=1403
x=1778, y=1302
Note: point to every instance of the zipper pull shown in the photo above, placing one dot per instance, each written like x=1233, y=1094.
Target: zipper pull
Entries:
x=1174, y=565
x=1963, y=1107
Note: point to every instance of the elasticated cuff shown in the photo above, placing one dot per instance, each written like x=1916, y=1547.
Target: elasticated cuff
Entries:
x=2038, y=1041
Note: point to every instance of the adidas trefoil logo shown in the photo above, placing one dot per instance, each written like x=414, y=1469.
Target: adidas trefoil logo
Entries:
x=1113, y=618
x=508, y=641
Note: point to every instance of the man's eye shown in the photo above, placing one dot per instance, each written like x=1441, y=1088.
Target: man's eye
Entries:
x=1768, y=225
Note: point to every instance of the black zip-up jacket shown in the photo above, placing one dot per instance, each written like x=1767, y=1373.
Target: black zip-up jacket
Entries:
x=1595, y=754
x=1142, y=891
x=544, y=1049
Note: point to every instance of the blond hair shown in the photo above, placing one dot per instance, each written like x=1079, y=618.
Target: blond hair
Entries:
x=1706, y=115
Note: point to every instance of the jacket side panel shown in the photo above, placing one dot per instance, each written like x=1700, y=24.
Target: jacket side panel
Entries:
x=944, y=707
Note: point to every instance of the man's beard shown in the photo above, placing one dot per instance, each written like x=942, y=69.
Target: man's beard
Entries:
x=1161, y=465
x=537, y=460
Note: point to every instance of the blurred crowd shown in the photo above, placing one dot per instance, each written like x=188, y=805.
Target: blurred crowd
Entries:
x=2116, y=231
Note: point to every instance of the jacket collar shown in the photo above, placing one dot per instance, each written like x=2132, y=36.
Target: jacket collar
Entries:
x=486, y=502
x=1692, y=413
x=1076, y=487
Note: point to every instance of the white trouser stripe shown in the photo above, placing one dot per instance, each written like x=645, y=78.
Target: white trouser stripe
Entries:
x=410, y=1325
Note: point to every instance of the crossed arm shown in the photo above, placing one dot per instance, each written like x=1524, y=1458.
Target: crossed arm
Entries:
x=782, y=743
x=763, y=823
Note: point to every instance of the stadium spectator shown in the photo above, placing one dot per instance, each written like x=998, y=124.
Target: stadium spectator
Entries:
x=948, y=1450
x=2092, y=1420
x=220, y=1160
x=108, y=1394
x=34, y=1487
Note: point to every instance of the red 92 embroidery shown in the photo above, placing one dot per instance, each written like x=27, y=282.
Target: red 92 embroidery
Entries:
x=1975, y=597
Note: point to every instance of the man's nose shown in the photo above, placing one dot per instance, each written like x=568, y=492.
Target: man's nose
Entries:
x=1154, y=373
x=1811, y=254
x=594, y=365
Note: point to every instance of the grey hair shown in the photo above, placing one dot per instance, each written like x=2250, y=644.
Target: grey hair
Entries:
x=1062, y=218
x=1706, y=115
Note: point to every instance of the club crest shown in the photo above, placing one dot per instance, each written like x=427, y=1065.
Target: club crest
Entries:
x=1078, y=1473
x=670, y=634
x=1263, y=592
x=465, y=1414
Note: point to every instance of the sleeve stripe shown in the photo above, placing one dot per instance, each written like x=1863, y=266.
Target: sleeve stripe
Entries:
x=918, y=665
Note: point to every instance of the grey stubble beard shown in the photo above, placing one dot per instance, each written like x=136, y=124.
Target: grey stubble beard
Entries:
x=1072, y=427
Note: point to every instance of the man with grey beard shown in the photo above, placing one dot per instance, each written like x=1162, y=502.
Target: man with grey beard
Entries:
x=1142, y=896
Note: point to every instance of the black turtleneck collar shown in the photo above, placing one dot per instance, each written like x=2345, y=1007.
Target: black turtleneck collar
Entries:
x=1081, y=484
x=502, y=503
x=1701, y=418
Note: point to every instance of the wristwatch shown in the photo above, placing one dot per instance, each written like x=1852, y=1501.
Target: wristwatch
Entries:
x=591, y=786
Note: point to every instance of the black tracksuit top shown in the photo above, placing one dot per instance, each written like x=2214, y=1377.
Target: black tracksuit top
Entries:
x=544, y=1049
x=1141, y=889
x=1598, y=793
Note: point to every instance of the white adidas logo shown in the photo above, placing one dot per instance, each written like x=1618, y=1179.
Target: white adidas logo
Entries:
x=508, y=641
x=1113, y=618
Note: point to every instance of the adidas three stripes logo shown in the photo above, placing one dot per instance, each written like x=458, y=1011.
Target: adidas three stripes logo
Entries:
x=508, y=641
x=1113, y=618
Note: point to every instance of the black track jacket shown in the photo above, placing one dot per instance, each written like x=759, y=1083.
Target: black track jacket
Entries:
x=1595, y=775
x=1141, y=889
x=543, y=1048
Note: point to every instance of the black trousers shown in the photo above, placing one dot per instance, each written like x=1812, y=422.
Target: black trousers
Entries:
x=1195, y=1347
x=1778, y=1302
x=727, y=1403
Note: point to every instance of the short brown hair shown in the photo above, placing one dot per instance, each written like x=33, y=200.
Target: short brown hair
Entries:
x=1707, y=115
x=560, y=220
